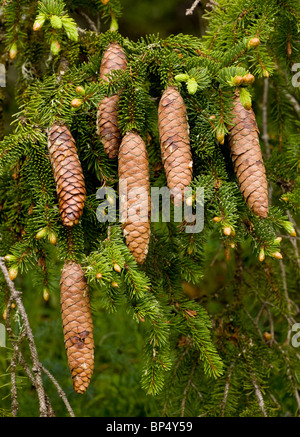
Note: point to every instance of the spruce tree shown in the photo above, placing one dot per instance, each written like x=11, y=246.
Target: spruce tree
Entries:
x=217, y=309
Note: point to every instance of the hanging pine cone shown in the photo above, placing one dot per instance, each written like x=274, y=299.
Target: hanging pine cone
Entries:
x=175, y=142
x=134, y=170
x=68, y=174
x=247, y=159
x=77, y=325
x=107, y=116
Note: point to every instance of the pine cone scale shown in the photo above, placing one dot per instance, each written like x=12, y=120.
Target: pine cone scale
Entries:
x=175, y=142
x=134, y=170
x=247, y=159
x=70, y=186
x=77, y=325
x=107, y=115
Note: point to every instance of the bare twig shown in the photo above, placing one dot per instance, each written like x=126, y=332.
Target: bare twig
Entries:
x=259, y=395
x=89, y=21
x=187, y=387
x=60, y=391
x=226, y=390
x=36, y=374
x=190, y=11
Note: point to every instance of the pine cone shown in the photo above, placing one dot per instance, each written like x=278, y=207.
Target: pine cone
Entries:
x=107, y=116
x=247, y=159
x=68, y=174
x=175, y=142
x=134, y=170
x=77, y=325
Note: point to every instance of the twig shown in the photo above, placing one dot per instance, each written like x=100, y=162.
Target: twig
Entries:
x=226, y=390
x=259, y=395
x=265, y=135
x=187, y=388
x=61, y=393
x=190, y=11
x=22, y=362
x=89, y=21
x=16, y=296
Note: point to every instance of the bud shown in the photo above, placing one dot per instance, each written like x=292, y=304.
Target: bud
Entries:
x=254, y=42
x=117, y=268
x=114, y=24
x=98, y=276
x=265, y=73
x=261, y=255
x=46, y=294
x=114, y=284
x=76, y=103
x=192, y=85
x=217, y=219
x=10, y=258
x=182, y=77
x=189, y=201
x=41, y=234
x=227, y=230
x=104, y=2
x=13, y=51
x=245, y=99
x=212, y=117
x=4, y=314
x=278, y=240
x=52, y=238
x=285, y=199
x=238, y=80
x=13, y=306
x=56, y=22
x=38, y=24
x=288, y=226
x=55, y=47
x=268, y=336
x=232, y=245
x=220, y=135
x=248, y=79
x=80, y=90
x=276, y=255
x=13, y=273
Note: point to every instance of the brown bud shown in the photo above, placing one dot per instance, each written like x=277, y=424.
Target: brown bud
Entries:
x=76, y=103
x=238, y=80
x=248, y=79
x=114, y=284
x=267, y=336
x=227, y=230
x=217, y=219
x=13, y=273
x=276, y=255
x=46, y=294
x=117, y=268
x=52, y=238
x=254, y=42
x=99, y=276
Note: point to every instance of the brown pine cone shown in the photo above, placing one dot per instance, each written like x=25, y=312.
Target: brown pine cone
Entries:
x=175, y=142
x=134, y=170
x=77, y=325
x=68, y=174
x=107, y=116
x=247, y=159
